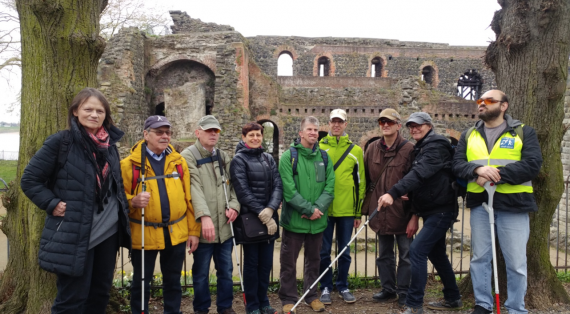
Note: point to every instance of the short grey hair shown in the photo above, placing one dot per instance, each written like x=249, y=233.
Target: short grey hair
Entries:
x=311, y=120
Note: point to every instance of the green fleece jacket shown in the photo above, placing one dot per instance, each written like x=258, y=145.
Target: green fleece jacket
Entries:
x=312, y=187
x=350, y=181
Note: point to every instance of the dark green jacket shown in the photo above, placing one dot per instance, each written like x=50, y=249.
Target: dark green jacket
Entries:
x=312, y=188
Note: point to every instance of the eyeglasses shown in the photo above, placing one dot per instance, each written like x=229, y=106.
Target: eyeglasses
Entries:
x=161, y=132
x=415, y=126
x=387, y=122
x=487, y=101
x=340, y=122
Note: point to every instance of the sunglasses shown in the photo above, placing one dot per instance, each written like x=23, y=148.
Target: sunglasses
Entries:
x=415, y=126
x=487, y=101
x=212, y=130
x=387, y=122
x=161, y=132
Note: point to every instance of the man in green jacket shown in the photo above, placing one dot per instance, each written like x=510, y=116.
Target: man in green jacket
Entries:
x=308, y=190
x=345, y=210
x=209, y=202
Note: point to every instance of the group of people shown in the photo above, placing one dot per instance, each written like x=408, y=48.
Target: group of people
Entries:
x=158, y=202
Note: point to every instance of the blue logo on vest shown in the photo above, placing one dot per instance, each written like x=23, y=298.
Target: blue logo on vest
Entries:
x=508, y=142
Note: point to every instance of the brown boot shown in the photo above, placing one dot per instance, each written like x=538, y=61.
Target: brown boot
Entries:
x=317, y=305
x=287, y=308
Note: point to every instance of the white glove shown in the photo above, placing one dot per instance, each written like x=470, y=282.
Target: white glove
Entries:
x=266, y=215
x=271, y=227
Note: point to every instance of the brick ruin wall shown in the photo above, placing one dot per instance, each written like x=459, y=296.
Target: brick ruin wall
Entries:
x=240, y=84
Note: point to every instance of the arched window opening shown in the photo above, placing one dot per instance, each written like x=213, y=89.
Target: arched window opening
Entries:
x=159, y=109
x=322, y=134
x=285, y=64
x=469, y=85
x=324, y=66
x=428, y=74
x=270, y=138
x=376, y=67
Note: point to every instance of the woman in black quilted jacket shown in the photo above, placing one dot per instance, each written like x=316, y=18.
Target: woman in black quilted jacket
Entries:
x=76, y=178
x=259, y=190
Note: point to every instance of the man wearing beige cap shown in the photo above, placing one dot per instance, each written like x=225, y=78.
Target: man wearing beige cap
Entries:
x=387, y=160
x=207, y=164
x=345, y=210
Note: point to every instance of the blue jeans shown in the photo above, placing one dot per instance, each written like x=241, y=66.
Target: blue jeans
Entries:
x=344, y=226
x=386, y=263
x=171, y=259
x=430, y=243
x=258, y=261
x=513, y=232
x=222, y=254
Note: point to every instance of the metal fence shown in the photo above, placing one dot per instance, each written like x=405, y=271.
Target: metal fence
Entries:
x=364, y=251
x=8, y=155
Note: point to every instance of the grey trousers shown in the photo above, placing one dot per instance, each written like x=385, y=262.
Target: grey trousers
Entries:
x=386, y=263
x=291, y=244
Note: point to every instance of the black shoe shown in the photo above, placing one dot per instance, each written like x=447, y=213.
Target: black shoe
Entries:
x=445, y=305
x=402, y=299
x=384, y=296
x=268, y=310
x=481, y=310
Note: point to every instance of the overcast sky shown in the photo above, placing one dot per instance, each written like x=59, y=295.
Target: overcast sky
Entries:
x=456, y=22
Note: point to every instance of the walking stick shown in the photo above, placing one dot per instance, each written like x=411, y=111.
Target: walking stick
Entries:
x=337, y=257
x=224, y=183
x=490, y=187
x=143, y=160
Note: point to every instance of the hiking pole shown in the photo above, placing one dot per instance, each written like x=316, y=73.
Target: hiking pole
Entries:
x=337, y=257
x=490, y=187
x=224, y=183
x=143, y=160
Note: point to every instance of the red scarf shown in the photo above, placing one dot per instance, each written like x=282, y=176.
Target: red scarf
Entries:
x=101, y=140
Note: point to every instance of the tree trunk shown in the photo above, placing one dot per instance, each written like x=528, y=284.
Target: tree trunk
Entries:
x=60, y=51
x=530, y=60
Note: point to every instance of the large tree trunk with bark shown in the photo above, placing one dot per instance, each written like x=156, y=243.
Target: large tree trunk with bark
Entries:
x=530, y=60
x=61, y=48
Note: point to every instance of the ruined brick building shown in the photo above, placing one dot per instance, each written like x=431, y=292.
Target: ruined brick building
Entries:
x=208, y=68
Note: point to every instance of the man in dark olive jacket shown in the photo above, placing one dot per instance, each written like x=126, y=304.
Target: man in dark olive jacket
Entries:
x=502, y=150
x=388, y=160
x=428, y=185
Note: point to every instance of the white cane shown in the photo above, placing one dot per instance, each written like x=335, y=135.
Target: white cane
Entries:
x=490, y=187
x=143, y=160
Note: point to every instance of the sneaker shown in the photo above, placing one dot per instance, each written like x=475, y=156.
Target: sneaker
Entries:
x=254, y=312
x=268, y=310
x=384, y=296
x=287, y=308
x=402, y=299
x=445, y=305
x=347, y=296
x=411, y=310
x=326, y=297
x=317, y=305
x=481, y=310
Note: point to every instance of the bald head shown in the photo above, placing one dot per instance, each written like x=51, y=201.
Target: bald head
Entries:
x=493, y=113
x=496, y=94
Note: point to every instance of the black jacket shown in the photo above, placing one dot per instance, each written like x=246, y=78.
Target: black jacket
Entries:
x=428, y=183
x=257, y=184
x=65, y=240
x=515, y=173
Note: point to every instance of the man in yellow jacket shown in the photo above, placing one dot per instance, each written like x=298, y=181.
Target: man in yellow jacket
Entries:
x=169, y=223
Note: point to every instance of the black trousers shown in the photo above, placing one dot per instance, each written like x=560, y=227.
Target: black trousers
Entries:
x=89, y=293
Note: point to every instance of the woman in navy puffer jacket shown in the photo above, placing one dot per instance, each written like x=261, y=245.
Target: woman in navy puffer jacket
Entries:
x=259, y=190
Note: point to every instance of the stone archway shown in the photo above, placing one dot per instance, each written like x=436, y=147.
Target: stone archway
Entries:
x=273, y=146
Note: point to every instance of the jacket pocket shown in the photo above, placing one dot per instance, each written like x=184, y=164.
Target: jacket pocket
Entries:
x=51, y=228
x=320, y=171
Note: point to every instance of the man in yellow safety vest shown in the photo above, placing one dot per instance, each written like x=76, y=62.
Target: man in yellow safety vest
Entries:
x=505, y=151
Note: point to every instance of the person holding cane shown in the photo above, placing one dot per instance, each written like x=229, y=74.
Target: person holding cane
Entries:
x=168, y=224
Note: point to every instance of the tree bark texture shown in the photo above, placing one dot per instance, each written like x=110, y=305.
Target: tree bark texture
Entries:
x=530, y=60
x=60, y=51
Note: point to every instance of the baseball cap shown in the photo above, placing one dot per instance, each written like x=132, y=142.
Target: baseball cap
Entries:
x=209, y=122
x=155, y=122
x=419, y=118
x=390, y=114
x=338, y=113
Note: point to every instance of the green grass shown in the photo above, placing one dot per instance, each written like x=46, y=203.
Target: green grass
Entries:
x=563, y=276
x=10, y=129
x=8, y=170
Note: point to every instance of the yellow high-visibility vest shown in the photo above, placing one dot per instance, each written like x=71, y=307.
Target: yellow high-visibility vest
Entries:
x=507, y=149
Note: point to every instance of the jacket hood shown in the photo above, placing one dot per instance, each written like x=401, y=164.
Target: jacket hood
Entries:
x=241, y=148
x=511, y=123
x=332, y=141
x=136, y=151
